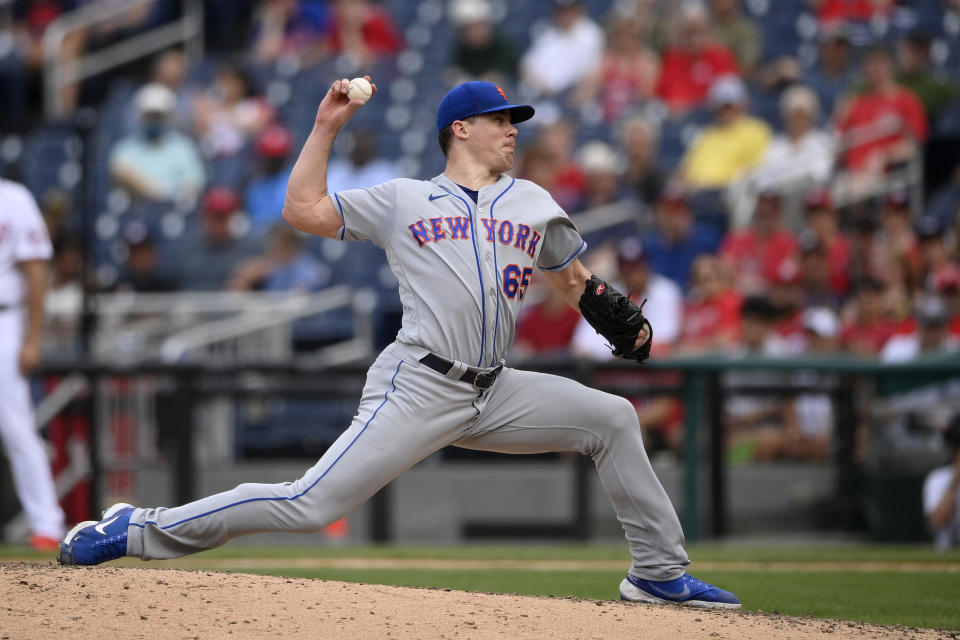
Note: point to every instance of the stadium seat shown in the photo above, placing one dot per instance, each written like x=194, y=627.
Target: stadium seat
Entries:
x=293, y=427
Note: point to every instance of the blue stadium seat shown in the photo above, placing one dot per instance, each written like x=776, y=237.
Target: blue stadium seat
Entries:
x=293, y=427
x=45, y=154
x=672, y=144
x=326, y=328
x=708, y=206
x=676, y=134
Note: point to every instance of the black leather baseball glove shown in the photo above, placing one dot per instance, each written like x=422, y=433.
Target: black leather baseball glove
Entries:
x=616, y=318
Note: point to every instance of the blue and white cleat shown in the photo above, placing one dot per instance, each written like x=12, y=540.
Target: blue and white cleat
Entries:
x=686, y=591
x=93, y=542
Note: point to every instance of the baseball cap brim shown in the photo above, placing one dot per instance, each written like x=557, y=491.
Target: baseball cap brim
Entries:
x=518, y=113
x=475, y=98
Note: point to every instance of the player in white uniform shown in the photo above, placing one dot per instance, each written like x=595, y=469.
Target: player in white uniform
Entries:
x=24, y=252
x=464, y=247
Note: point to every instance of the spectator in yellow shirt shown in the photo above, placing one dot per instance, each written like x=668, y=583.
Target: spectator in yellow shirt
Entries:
x=734, y=143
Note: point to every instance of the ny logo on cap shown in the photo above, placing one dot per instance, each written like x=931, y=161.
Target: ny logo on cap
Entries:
x=500, y=91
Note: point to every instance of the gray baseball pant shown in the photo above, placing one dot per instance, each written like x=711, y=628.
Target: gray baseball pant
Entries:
x=408, y=411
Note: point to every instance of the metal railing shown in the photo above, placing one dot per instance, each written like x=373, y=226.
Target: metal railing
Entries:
x=227, y=328
x=58, y=74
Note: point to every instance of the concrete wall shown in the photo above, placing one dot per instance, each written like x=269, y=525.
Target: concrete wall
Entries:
x=435, y=501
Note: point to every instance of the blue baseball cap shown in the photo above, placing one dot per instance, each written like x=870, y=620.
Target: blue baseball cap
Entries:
x=472, y=99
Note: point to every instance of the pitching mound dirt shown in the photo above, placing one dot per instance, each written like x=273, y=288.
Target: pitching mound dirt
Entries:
x=48, y=601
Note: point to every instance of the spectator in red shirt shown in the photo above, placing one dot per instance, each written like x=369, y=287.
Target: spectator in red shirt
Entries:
x=363, y=31
x=871, y=326
x=546, y=327
x=755, y=253
x=823, y=221
x=691, y=65
x=711, y=314
x=881, y=127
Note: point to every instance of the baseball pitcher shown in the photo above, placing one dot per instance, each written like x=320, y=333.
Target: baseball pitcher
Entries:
x=464, y=247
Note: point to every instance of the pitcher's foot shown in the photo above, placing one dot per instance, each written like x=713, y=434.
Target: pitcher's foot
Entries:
x=93, y=542
x=685, y=590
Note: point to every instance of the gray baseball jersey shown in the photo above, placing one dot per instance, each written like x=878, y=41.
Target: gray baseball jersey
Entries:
x=463, y=269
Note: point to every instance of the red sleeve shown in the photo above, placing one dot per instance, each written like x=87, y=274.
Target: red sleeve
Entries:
x=664, y=88
x=380, y=34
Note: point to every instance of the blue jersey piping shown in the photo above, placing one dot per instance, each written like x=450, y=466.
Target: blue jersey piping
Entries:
x=496, y=267
x=343, y=232
x=579, y=250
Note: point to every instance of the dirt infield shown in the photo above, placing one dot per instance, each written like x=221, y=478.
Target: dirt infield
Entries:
x=46, y=601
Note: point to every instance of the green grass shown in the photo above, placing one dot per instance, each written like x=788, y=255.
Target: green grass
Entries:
x=912, y=598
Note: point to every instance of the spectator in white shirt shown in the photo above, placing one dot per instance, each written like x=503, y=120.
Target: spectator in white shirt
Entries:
x=803, y=150
x=799, y=158
x=562, y=54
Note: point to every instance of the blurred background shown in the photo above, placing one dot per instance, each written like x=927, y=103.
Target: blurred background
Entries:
x=781, y=181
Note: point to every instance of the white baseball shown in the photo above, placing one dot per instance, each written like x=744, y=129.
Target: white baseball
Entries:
x=359, y=89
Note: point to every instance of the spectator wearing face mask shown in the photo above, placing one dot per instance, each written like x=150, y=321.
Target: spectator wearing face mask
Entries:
x=156, y=162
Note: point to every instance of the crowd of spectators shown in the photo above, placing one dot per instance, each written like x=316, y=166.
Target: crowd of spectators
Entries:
x=779, y=199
